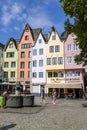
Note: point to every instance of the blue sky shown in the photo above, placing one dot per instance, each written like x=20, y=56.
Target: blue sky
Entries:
x=14, y=14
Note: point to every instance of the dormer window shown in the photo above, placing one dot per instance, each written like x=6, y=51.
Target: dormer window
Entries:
x=26, y=37
x=11, y=45
x=72, y=35
x=40, y=40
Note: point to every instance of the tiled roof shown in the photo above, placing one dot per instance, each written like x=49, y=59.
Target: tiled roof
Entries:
x=64, y=36
x=46, y=37
x=36, y=32
x=2, y=46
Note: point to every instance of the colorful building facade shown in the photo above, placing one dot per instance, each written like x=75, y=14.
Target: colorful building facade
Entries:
x=1, y=60
x=26, y=43
x=38, y=60
x=73, y=71
x=55, y=73
x=10, y=61
x=38, y=77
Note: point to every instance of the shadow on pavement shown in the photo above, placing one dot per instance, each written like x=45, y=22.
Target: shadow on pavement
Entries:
x=24, y=110
x=84, y=105
x=7, y=127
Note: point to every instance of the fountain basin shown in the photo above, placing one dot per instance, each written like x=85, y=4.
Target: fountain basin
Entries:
x=20, y=101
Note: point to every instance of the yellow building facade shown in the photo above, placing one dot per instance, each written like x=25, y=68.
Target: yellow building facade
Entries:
x=55, y=73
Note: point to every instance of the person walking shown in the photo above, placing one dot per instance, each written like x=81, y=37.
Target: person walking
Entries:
x=54, y=96
x=5, y=94
x=42, y=95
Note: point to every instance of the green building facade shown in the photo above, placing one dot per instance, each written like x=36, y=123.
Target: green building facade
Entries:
x=10, y=61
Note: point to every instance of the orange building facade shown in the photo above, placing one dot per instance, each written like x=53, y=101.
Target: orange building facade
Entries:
x=25, y=44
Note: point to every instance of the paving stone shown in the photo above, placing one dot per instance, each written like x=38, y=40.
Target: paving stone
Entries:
x=64, y=115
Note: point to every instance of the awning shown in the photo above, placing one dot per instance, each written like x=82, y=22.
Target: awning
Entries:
x=7, y=83
x=73, y=86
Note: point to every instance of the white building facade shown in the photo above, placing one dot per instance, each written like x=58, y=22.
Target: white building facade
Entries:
x=38, y=73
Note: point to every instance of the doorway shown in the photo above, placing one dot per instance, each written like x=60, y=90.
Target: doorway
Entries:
x=62, y=93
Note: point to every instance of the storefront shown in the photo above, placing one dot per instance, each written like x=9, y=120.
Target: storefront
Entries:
x=71, y=90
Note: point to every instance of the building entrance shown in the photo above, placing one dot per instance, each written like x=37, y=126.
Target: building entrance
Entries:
x=62, y=95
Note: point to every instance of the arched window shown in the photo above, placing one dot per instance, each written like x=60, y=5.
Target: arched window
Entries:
x=26, y=37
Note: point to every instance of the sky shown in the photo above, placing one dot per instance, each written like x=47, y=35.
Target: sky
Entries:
x=14, y=14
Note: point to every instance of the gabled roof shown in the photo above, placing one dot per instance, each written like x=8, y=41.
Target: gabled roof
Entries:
x=27, y=27
x=54, y=30
x=2, y=45
x=64, y=36
x=34, y=32
x=46, y=37
x=11, y=39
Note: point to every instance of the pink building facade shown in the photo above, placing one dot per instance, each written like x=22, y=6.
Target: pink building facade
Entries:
x=73, y=71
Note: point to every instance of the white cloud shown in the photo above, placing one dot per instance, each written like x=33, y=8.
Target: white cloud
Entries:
x=11, y=12
x=16, y=28
x=39, y=17
x=40, y=20
x=36, y=15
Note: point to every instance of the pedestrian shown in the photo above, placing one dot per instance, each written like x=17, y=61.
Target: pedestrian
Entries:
x=54, y=96
x=5, y=94
x=42, y=95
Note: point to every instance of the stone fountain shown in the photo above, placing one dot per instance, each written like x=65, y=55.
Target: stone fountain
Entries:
x=19, y=99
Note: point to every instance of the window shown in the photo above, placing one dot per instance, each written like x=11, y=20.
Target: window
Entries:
x=34, y=63
x=9, y=54
x=51, y=49
x=29, y=54
x=69, y=47
x=13, y=74
x=11, y=45
x=5, y=74
x=22, y=55
x=35, y=52
x=54, y=61
x=6, y=64
x=77, y=73
x=22, y=64
x=34, y=75
x=48, y=61
x=54, y=74
x=54, y=37
x=72, y=35
x=40, y=62
x=26, y=45
x=40, y=40
x=49, y=74
x=28, y=74
x=29, y=64
x=75, y=47
x=13, y=64
x=60, y=60
x=26, y=37
x=21, y=74
x=60, y=74
x=40, y=74
x=69, y=74
x=57, y=48
x=69, y=60
x=41, y=51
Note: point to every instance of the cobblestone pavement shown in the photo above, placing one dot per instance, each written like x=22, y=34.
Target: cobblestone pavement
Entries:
x=64, y=115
